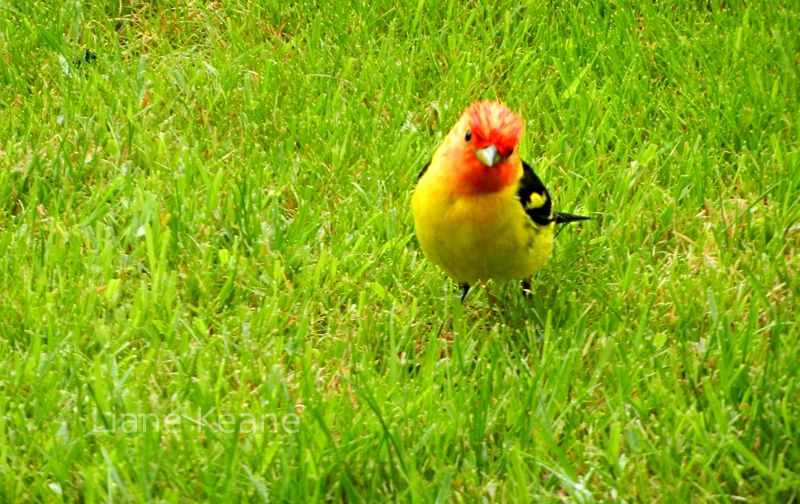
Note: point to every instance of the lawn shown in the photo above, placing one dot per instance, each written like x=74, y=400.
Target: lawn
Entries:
x=210, y=287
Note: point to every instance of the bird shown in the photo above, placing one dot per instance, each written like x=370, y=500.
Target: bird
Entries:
x=480, y=212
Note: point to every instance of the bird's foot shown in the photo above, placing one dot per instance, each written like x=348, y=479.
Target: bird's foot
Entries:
x=527, y=290
x=464, y=290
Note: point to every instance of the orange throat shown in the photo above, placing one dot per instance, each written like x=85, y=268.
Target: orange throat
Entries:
x=475, y=177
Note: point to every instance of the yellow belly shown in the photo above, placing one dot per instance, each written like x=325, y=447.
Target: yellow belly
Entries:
x=480, y=237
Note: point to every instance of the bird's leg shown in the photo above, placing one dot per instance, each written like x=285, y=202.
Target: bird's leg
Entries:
x=526, y=288
x=464, y=290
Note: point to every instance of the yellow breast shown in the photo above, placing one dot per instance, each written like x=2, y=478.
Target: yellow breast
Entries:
x=478, y=237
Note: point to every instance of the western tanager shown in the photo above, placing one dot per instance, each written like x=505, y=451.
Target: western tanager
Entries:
x=480, y=212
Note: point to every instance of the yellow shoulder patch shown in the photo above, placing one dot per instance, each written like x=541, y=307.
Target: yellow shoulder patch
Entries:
x=536, y=200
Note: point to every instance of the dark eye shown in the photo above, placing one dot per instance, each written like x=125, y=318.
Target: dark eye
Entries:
x=468, y=136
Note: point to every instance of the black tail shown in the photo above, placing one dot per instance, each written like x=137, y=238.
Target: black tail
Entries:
x=564, y=218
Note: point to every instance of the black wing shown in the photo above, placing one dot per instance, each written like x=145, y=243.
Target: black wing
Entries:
x=534, y=197
x=424, y=169
x=536, y=200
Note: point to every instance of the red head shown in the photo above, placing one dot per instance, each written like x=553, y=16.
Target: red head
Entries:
x=492, y=123
x=484, y=148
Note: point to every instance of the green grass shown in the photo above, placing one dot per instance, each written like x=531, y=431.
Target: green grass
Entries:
x=212, y=219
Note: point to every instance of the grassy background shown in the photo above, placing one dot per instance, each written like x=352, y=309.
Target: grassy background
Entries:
x=211, y=218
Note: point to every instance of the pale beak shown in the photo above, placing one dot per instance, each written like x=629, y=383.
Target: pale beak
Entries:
x=488, y=156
